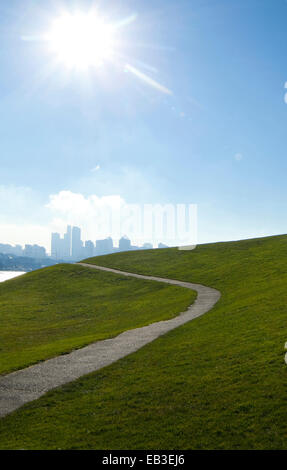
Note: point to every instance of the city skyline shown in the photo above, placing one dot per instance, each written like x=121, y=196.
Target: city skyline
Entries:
x=71, y=247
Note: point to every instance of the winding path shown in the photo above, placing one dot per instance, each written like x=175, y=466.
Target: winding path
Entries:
x=28, y=384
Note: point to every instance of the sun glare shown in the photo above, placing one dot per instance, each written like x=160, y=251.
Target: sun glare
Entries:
x=81, y=40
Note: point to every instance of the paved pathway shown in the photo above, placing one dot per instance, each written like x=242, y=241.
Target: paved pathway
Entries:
x=31, y=383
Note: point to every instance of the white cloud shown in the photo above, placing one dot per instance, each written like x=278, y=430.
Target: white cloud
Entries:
x=76, y=204
x=91, y=213
x=97, y=168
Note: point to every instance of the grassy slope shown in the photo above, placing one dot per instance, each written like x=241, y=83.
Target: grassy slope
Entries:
x=57, y=309
x=217, y=382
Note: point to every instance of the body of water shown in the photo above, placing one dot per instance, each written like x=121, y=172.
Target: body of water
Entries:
x=5, y=275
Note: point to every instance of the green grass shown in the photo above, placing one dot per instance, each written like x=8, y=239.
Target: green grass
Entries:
x=218, y=382
x=54, y=310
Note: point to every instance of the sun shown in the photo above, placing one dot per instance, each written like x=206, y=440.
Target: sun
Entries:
x=81, y=40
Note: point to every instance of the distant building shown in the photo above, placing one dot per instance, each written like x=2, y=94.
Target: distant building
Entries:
x=70, y=247
x=89, y=249
x=77, y=244
x=147, y=246
x=104, y=247
x=161, y=245
x=134, y=247
x=17, y=250
x=11, y=250
x=67, y=243
x=34, y=251
x=124, y=244
x=56, y=246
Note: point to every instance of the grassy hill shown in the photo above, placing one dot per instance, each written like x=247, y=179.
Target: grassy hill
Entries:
x=54, y=310
x=218, y=382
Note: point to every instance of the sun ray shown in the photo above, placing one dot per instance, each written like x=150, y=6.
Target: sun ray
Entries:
x=83, y=40
x=149, y=81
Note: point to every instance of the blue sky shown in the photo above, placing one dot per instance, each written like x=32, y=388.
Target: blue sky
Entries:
x=219, y=140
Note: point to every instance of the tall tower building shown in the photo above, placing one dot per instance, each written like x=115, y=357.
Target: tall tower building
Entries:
x=77, y=244
x=56, y=246
x=67, y=243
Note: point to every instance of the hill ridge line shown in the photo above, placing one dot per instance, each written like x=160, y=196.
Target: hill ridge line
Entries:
x=29, y=384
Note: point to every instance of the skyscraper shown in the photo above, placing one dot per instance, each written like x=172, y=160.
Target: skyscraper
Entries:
x=77, y=244
x=56, y=246
x=67, y=243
